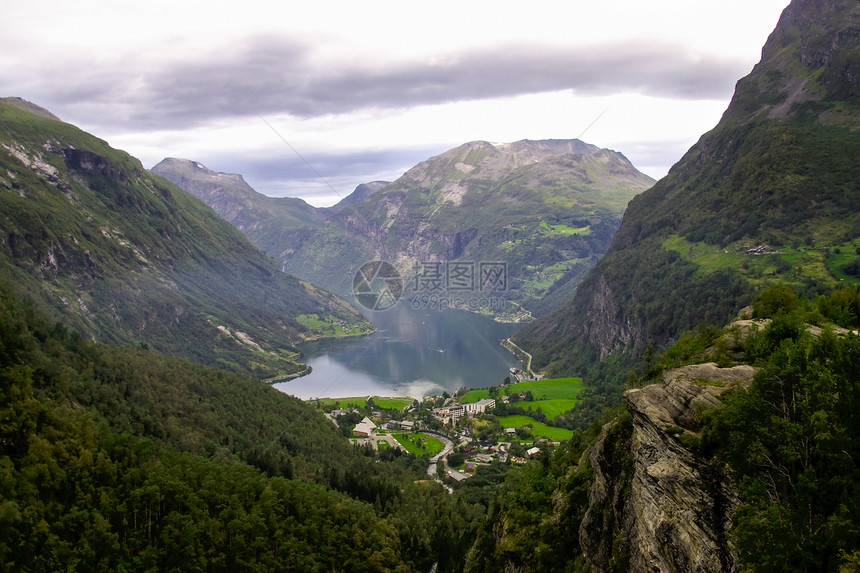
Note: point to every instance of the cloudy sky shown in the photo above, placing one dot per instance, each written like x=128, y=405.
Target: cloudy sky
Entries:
x=310, y=99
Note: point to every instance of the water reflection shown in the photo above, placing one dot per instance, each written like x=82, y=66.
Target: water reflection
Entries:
x=412, y=353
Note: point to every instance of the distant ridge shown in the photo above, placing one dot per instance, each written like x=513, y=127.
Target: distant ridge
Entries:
x=361, y=193
x=267, y=221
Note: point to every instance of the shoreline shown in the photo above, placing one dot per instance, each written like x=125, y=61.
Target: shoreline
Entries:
x=518, y=352
x=289, y=377
x=307, y=370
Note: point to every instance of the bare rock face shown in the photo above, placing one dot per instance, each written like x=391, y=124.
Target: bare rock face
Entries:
x=603, y=529
x=607, y=325
x=661, y=507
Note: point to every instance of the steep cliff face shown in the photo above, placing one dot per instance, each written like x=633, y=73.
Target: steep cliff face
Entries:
x=654, y=505
x=607, y=325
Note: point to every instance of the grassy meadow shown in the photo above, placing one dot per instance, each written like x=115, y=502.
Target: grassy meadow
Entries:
x=537, y=429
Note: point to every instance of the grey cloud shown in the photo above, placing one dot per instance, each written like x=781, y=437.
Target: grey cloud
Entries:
x=271, y=76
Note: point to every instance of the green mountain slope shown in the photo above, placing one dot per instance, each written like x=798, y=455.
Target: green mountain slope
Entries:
x=124, y=256
x=268, y=222
x=546, y=209
x=770, y=194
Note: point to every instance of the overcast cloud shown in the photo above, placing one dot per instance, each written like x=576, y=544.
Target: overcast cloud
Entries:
x=273, y=76
x=364, y=94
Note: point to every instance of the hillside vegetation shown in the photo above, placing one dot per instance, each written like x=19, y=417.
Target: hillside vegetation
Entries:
x=123, y=256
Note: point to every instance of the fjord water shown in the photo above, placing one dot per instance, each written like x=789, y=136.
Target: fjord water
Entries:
x=412, y=353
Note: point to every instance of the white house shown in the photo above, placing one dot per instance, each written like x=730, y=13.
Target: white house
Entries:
x=480, y=406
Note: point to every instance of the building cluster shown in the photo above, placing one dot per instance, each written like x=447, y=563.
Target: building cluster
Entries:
x=475, y=452
x=460, y=410
x=367, y=429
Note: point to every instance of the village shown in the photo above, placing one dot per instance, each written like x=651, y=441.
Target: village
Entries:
x=456, y=435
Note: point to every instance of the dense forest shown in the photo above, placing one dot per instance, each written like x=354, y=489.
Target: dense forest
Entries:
x=119, y=459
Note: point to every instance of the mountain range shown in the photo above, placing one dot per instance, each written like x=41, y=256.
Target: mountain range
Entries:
x=124, y=256
x=545, y=209
x=718, y=431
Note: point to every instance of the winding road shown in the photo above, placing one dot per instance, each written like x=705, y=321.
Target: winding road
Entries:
x=449, y=445
x=434, y=461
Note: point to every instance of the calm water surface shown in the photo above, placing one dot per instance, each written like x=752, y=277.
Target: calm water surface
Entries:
x=412, y=353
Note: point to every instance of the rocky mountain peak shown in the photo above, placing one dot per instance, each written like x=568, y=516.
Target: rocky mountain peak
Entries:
x=807, y=58
x=361, y=192
x=185, y=169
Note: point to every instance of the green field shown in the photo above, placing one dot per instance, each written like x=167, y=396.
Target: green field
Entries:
x=797, y=264
x=357, y=401
x=551, y=408
x=473, y=396
x=429, y=445
x=840, y=256
x=393, y=403
x=551, y=389
x=538, y=429
x=564, y=229
x=329, y=326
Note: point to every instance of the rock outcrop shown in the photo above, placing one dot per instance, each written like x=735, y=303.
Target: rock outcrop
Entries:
x=655, y=505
